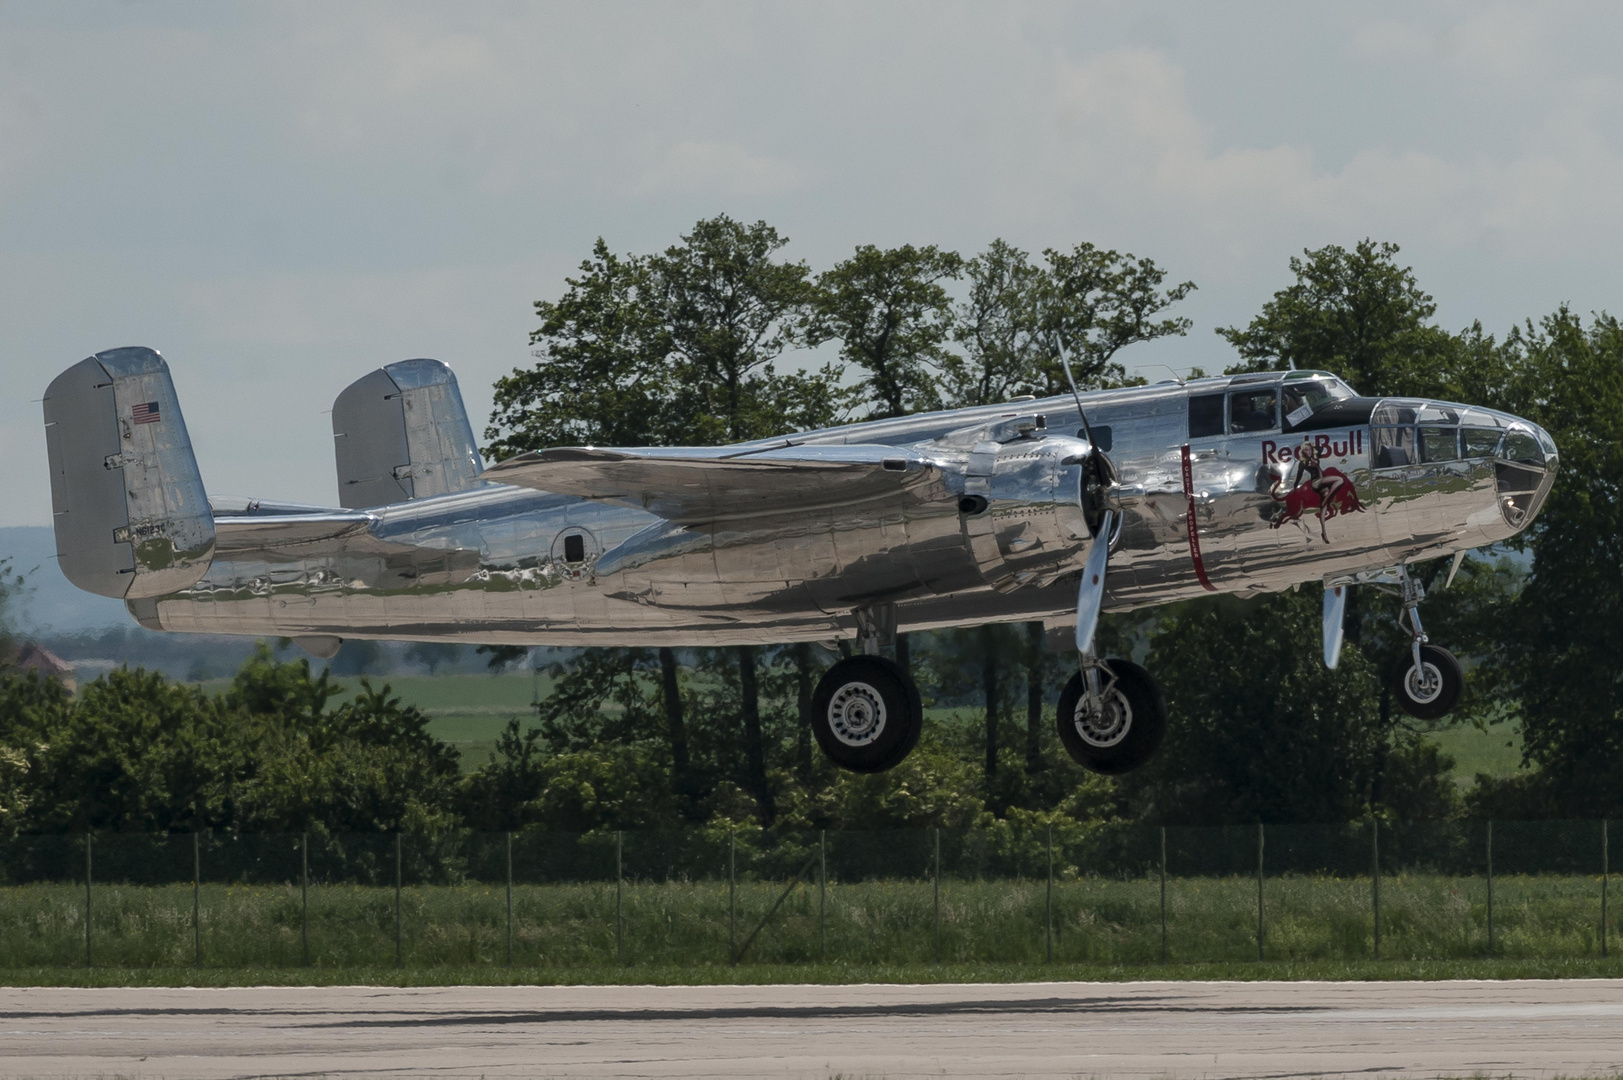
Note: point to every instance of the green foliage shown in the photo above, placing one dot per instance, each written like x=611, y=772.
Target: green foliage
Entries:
x=1094, y=302
x=139, y=753
x=1261, y=731
x=1356, y=313
x=669, y=349
x=1557, y=653
x=893, y=319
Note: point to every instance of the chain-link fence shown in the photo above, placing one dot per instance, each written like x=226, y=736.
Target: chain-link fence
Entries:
x=1064, y=893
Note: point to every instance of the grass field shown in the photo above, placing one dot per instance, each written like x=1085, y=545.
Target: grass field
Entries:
x=1097, y=925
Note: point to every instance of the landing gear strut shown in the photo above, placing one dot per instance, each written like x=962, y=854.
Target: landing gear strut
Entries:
x=1112, y=716
x=1429, y=680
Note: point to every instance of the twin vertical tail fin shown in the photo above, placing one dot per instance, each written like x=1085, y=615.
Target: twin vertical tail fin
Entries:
x=132, y=520
x=402, y=433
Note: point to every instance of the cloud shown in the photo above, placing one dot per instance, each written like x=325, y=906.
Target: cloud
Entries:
x=1126, y=127
x=723, y=168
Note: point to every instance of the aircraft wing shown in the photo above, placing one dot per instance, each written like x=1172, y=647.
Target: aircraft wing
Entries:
x=704, y=484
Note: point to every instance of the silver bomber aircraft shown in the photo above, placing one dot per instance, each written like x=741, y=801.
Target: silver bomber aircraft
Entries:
x=1054, y=510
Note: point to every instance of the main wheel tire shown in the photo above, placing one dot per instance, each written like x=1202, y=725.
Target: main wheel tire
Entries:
x=1130, y=727
x=866, y=714
x=1431, y=692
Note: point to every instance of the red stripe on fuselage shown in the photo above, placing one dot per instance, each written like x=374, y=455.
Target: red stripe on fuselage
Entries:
x=1194, y=529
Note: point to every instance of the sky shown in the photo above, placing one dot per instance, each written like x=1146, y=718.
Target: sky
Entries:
x=282, y=197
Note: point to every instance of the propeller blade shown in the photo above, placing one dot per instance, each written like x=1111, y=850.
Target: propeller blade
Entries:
x=1335, y=615
x=1090, y=597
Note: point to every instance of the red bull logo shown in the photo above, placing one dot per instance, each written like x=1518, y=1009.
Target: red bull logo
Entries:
x=1310, y=485
x=1324, y=445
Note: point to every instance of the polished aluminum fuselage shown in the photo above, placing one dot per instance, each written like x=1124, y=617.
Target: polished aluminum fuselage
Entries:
x=496, y=564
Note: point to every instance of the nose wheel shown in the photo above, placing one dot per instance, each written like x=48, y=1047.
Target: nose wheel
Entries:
x=1428, y=683
x=866, y=714
x=1429, y=680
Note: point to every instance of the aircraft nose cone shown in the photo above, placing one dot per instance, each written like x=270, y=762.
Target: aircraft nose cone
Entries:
x=1525, y=471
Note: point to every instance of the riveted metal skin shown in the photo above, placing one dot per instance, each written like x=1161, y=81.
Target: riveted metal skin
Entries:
x=132, y=520
x=956, y=518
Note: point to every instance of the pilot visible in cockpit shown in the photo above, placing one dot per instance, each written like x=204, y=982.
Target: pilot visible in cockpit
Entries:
x=1252, y=412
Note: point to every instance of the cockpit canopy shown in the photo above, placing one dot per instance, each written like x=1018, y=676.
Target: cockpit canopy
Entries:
x=1411, y=432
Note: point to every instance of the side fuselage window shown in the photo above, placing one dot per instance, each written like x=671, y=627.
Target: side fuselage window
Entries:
x=1439, y=444
x=1393, y=446
x=1205, y=416
x=1253, y=410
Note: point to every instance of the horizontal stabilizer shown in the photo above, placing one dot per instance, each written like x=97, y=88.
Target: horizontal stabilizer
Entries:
x=237, y=537
x=702, y=484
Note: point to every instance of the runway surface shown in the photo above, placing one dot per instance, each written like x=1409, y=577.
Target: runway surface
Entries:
x=1183, y=1029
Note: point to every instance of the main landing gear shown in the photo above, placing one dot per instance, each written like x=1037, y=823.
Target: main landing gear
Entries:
x=866, y=714
x=1112, y=716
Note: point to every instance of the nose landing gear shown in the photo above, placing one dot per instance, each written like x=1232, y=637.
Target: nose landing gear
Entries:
x=1428, y=684
x=1428, y=680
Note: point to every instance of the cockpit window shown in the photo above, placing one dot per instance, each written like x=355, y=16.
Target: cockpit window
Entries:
x=1480, y=442
x=1521, y=445
x=1312, y=396
x=1253, y=410
x=1439, y=443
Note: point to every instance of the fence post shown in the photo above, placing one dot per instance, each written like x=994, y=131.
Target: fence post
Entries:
x=619, y=885
x=1375, y=876
x=1490, y=888
x=89, y=957
x=822, y=891
x=1163, y=894
x=732, y=940
x=398, y=949
x=509, y=837
x=304, y=896
x=1048, y=912
x=1605, y=874
x=197, y=900
x=1260, y=952
x=935, y=883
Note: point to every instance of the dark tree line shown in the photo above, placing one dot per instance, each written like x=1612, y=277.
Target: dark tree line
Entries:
x=719, y=337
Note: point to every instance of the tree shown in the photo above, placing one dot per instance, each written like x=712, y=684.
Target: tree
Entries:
x=1260, y=730
x=601, y=377
x=11, y=589
x=893, y=319
x=1557, y=651
x=1097, y=303
x=727, y=310
x=1357, y=314
x=1092, y=301
x=431, y=654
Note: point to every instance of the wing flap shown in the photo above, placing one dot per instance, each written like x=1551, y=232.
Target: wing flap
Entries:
x=701, y=484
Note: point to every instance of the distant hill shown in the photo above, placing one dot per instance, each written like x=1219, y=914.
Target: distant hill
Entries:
x=51, y=604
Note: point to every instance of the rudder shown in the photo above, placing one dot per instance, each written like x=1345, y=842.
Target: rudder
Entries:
x=127, y=502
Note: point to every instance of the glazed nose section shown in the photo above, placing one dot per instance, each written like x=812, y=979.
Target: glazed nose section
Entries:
x=1525, y=469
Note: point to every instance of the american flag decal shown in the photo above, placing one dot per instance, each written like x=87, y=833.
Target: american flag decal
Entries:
x=146, y=413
